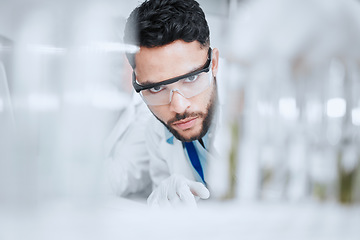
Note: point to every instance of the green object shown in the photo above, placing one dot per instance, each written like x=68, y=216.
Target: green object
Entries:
x=233, y=159
x=346, y=182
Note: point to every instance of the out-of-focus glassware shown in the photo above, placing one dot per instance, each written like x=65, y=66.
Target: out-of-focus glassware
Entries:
x=300, y=128
x=68, y=87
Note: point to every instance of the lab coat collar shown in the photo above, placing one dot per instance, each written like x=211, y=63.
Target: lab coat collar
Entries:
x=169, y=136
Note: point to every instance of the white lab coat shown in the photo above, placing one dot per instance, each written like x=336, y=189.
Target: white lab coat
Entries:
x=167, y=159
x=139, y=157
x=127, y=157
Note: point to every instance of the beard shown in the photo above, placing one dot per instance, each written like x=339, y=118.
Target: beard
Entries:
x=207, y=116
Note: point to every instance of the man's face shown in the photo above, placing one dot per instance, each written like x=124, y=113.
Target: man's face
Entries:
x=187, y=118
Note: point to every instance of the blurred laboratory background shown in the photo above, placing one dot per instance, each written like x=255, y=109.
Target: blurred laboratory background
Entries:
x=291, y=70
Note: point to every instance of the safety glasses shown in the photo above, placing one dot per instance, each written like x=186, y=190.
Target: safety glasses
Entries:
x=188, y=85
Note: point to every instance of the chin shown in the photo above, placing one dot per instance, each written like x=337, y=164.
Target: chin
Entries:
x=188, y=138
x=188, y=135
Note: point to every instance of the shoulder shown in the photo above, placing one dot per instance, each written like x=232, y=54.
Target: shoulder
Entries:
x=155, y=130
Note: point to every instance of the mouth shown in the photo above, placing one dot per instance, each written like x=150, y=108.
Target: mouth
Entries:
x=185, y=123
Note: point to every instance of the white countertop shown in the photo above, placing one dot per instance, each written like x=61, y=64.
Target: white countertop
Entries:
x=118, y=218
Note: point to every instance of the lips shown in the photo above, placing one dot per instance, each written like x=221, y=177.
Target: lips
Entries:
x=186, y=123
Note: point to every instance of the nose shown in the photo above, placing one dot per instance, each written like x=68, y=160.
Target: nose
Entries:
x=179, y=103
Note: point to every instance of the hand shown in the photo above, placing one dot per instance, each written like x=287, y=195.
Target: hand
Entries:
x=177, y=191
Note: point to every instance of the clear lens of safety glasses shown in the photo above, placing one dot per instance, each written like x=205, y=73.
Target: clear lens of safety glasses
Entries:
x=187, y=87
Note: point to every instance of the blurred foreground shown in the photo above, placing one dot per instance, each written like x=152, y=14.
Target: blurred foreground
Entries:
x=293, y=116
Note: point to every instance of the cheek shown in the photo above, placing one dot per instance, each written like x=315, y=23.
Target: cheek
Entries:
x=203, y=100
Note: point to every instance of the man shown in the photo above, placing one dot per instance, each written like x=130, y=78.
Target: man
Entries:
x=174, y=72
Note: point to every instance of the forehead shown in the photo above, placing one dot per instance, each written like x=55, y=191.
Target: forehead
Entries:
x=175, y=59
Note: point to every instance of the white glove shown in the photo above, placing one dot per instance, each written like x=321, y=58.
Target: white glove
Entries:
x=177, y=191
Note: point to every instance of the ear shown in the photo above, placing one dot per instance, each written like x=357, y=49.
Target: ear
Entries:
x=215, y=61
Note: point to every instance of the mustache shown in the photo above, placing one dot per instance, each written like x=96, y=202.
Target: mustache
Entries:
x=184, y=115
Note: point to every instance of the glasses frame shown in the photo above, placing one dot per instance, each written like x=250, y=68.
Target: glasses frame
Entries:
x=138, y=87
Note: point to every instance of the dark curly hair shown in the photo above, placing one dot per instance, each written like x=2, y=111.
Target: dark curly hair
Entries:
x=157, y=23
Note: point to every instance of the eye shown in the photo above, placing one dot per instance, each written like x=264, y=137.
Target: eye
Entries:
x=156, y=89
x=191, y=78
